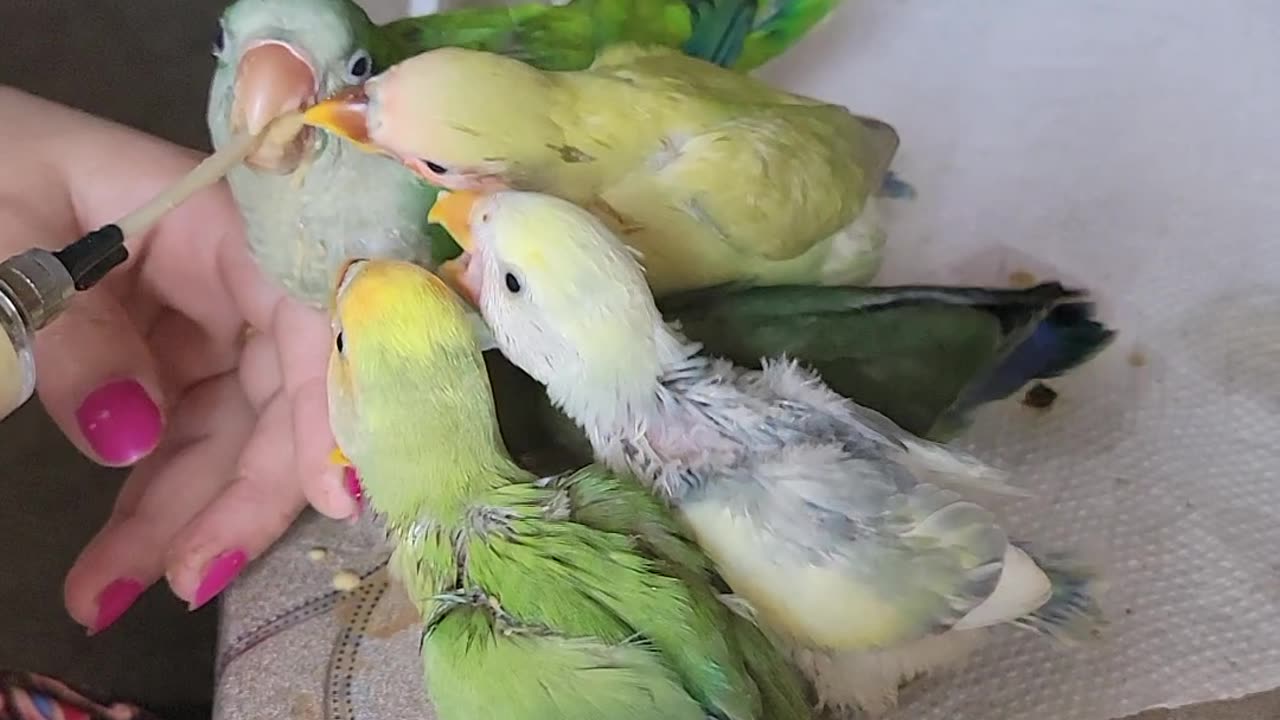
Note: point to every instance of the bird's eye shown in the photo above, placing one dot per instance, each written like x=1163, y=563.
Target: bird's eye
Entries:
x=337, y=341
x=219, y=41
x=359, y=66
x=513, y=283
x=436, y=168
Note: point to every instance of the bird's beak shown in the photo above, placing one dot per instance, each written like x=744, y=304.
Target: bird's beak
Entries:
x=345, y=114
x=271, y=79
x=452, y=210
x=346, y=273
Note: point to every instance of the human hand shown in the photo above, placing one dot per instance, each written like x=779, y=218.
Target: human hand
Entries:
x=227, y=431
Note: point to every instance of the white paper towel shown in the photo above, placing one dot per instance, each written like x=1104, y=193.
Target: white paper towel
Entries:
x=1132, y=148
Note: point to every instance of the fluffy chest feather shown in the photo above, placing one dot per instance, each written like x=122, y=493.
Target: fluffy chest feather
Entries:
x=786, y=496
x=715, y=422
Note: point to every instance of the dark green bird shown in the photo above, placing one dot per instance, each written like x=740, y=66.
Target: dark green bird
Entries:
x=925, y=356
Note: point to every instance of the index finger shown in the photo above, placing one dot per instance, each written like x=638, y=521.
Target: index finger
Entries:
x=110, y=170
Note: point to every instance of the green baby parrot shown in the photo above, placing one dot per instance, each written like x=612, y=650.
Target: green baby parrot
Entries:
x=712, y=175
x=571, y=597
x=309, y=203
x=855, y=543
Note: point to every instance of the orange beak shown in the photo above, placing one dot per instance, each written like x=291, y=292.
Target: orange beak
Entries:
x=452, y=210
x=272, y=79
x=345, y=114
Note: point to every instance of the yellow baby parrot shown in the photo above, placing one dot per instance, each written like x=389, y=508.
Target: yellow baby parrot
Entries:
x=714, y=176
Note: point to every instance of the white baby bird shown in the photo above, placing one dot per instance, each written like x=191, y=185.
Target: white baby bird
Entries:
x=844, y=536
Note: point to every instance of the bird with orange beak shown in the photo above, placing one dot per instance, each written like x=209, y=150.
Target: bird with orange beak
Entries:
x=713, y=175
x=309, y=201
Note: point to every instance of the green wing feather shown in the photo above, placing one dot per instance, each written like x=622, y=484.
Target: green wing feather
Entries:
x=603, y=500
x=908, y=352
x=742, y=34
x=478, y=672
x=562, y=576
x=719, y=29
x=779, y=25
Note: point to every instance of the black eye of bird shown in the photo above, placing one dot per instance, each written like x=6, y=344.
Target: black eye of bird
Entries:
x=220, y=40
x=337, y=341
x=436, y=168
x=360, y=66
x=513, y=283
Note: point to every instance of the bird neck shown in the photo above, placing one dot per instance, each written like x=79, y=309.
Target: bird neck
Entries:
x=451, y=470
x=627, y=418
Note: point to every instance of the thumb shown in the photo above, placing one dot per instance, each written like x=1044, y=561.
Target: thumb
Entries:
x=98, y=381
x=94, y=373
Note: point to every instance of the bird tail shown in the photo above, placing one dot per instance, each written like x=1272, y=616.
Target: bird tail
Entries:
x=745, y=34
x=895, y=188
x=1072, y=614
x=1064, y=339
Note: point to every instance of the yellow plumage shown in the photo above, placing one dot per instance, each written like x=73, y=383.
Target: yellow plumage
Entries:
x=712, y=175
x=817, y=606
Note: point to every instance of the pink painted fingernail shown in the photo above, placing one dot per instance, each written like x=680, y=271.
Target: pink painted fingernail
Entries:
x=120, y=421
x=218, y=575
x=351, y=481
x=113, y=601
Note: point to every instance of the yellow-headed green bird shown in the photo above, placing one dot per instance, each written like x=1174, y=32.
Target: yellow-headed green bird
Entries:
x=851, y=540
x=572, y=597
x=714, y=176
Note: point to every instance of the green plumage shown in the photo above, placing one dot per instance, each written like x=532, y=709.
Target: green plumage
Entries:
x=741, y=34
x=576, y=596
x=914, y=353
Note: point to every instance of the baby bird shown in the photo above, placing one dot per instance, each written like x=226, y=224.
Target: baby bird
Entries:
x=848, y=539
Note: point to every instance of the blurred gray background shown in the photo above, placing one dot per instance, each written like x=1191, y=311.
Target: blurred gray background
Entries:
x=144, y=63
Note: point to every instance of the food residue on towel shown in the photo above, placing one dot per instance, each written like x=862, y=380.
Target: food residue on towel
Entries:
x=1022, y=279
x=345, y=581
x=316, y=554
x=1137, y=358
x=1040, y=397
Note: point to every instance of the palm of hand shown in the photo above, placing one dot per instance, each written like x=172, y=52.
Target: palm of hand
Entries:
x=186, y=364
